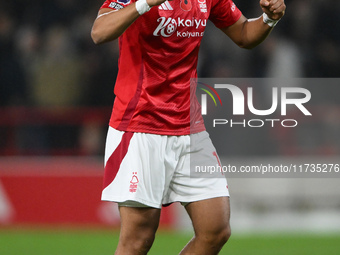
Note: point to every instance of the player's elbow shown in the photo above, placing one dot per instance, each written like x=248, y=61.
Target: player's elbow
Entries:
x=244, y=44
x=101, y=35
x=97, y=38
x=247, y=46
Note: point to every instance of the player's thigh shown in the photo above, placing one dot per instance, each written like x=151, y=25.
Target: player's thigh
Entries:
x=210, y=216
x=139, y=220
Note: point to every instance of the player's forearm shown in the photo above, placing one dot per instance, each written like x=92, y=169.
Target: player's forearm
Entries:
x=109, y=25
x=248, y=33
x=254, y=32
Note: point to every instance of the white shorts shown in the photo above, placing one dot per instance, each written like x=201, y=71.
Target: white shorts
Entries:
x=154, y=170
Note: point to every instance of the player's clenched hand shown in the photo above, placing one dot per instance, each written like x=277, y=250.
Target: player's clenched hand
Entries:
x=275, y=9
x=155, y=2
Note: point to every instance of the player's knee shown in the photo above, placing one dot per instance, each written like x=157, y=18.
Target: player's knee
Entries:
x=224, y=235
x=143, y=244
x=219, y=238
x=139, y=243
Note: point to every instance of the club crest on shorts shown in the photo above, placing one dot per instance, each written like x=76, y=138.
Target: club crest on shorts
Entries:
x=133, y=183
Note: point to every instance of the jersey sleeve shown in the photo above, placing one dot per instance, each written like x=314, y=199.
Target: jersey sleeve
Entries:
x=224, y=13
x=116, y=4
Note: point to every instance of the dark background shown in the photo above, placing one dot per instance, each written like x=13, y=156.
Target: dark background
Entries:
x=56, y=86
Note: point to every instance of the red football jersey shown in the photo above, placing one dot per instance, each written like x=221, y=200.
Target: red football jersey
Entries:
x=158, y=58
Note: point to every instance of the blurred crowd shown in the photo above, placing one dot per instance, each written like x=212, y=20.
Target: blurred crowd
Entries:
x=47, y=58
x=305, y=43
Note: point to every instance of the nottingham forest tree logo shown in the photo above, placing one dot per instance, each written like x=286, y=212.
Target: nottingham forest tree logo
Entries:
x=133, y=183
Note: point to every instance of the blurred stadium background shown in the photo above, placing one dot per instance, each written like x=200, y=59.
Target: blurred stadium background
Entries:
x=55, y=102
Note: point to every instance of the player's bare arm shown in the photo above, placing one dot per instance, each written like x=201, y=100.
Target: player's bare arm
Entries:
x=248, y=33
x=110, y=24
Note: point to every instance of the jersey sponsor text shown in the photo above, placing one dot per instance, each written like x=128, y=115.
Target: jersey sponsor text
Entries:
x=167, y=26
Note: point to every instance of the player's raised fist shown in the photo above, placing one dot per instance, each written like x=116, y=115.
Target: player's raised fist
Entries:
x=275, y=9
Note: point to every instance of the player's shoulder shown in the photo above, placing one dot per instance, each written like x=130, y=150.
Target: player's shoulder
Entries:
x=224, y=3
